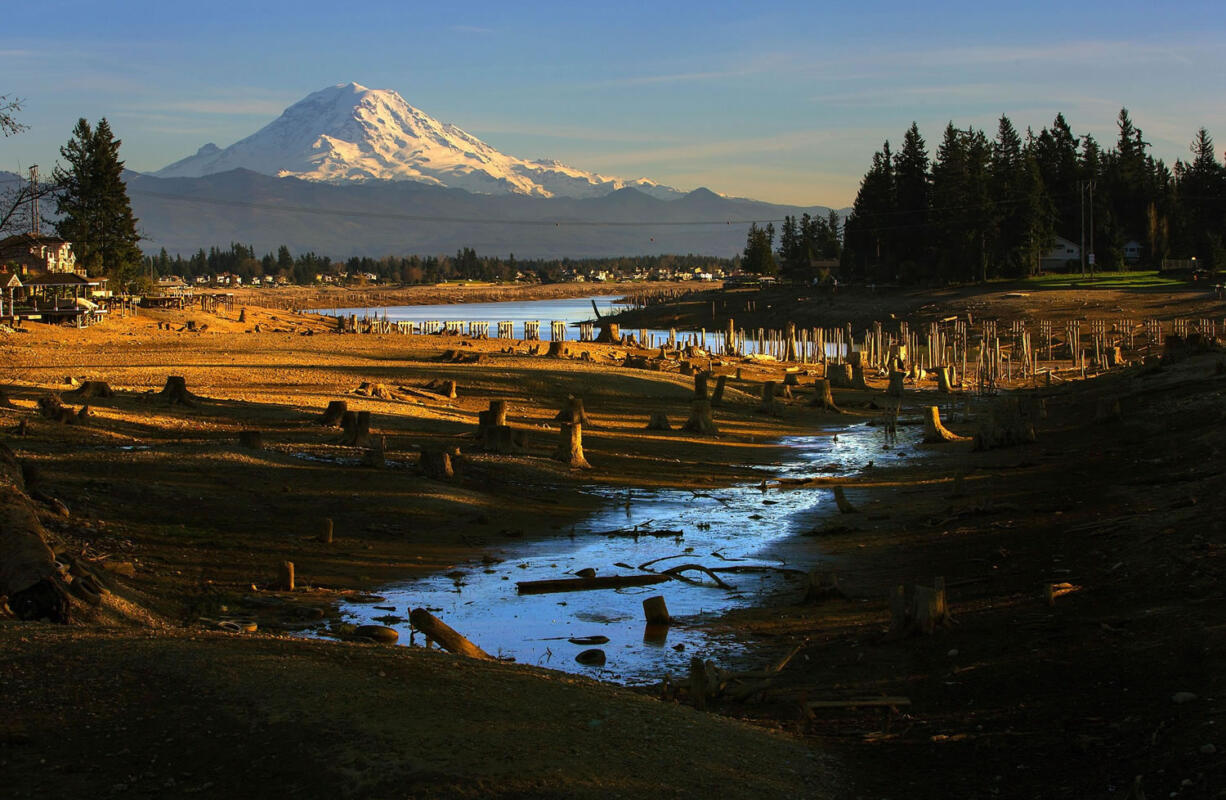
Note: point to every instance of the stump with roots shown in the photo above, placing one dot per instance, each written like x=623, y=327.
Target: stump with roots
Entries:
x=175, y=392
x=447, y=388
x=1004, y=426
x=436, y=464
x=570, y=448
x=252, y=440
x=821, y=586
x=610, y=333
x=658, y=422
x=934, y=431
x=923, y=612
x=29, y=575
x=333, y=414
x=700, y=384
x=700, y=421
x=857, y=377
x=840, y=376
x=376, y=456
x=376, y=390
x=791, y=379
x=717, y=396
x=90, y=389
x=557, y=349
x=840, y=500
x=823, y=398
x=768, y=404
x=945, y=380
x=51, y=408
x=895, y=387
x=356, y=429
x=493, y=432
x=573, y=412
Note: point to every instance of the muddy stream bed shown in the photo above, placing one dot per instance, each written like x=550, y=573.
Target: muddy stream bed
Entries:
x=732, y=526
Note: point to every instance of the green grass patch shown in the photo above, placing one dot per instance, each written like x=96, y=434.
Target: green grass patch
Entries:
x=1137, y=279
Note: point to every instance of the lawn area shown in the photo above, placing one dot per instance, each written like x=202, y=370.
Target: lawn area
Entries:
x=1139, y=279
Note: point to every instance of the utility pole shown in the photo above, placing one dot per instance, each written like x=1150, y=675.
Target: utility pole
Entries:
x=1091, y=229
x=34, y=199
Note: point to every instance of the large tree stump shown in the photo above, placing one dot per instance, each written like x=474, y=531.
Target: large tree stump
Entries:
x=717, y=396
x=325, y=530
x=436, y=464
x=929, y=608
x=573, y=412
x=356, y=429
x=333, y=414
x=1004, y=426
x=570, y=448
x=252, y=440
x=934, y=431
x=821, y=586
x=445, y=636
x=499, y=439
x=822, y=397
x=840, y=376
x=175, y=392
x=557, y=349
x=376, y=456
x=610, y=333
x=285, y=576
x=857, y=377
x=447, y=388
x=895, y=387
x=242, y=315
x=840, y=500
x=701, y=421
x=658, y=422
x=29, y=576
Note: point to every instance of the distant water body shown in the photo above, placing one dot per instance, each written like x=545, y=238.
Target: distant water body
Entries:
x=571, y=310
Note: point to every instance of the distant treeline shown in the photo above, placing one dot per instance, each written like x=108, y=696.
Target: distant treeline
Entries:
x=986, y=208
x=305, y=268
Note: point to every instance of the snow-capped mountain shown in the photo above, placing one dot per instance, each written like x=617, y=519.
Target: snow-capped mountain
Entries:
x=349, y=133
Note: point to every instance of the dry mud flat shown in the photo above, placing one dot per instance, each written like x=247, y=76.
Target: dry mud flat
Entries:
x=186, y=526
x=1111, y=690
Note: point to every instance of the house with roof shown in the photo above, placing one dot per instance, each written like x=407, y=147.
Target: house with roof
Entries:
x=42, y=280
x=1063, y=255
x=32, y=252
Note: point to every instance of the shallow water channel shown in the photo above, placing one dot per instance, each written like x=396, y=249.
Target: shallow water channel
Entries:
x=732, y=526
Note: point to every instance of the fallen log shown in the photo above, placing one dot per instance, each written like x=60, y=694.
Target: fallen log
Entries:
x=553, y=585
x=445, y=636
x=677, y=570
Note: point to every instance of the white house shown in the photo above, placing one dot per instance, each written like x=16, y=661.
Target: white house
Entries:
x=1061, y=253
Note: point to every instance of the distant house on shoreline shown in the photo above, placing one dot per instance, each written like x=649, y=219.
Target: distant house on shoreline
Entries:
x=43, y=281
x=1061, y=253
x=29, y=253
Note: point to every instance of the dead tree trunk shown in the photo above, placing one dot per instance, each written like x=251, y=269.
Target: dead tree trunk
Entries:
x=700, y=385
x=717, y=396
x=823, y=398
x=1004, y=427
x=242, y=315
x=285, y=576
x=90, y=389
x=358, y=433
x=840, y=500
x=573, y=412
x=333, y=414
x=934, y=431
x=325, y=531
x=656, y=611
x=445, y=636
x=570, y=448
x=944, y=380
x=700, y=421
x=175, y=391
x=840, y=376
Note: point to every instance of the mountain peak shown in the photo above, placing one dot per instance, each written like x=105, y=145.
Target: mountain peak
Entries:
x=348, y=132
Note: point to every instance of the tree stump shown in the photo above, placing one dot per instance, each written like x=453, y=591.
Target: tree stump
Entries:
x=701, y=421
x=376, y=456
x=717, y=396
x=610, y=333
x=436, y=464
x=857, y=377
x=700, y=384
x=84, y=415
x=934, y=431
x=929, y=608
x=570, y=448
x=656, y=611
x=445, y=636
x=333, y=414
x=1004, y=426
x=557, y=349
x=895, y=387
x=573, y=412
x=823, y=398
x=768, y=405
x=448, y=389
x=821, y=587
x=840, y=376
x=252, y=440
x=356, y=429
x=945, y=380
x=285, y=576
x=325, y=530
x=175, y=392
x=791, y=379
x=499, y=439
x=51, y=408
x=242, y=315
x=658, y=422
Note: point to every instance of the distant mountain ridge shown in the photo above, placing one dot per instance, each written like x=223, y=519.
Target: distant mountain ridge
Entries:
x=377, y=218
x=348, y=133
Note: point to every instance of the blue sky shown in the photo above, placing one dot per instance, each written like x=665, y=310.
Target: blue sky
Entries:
x=784, y=103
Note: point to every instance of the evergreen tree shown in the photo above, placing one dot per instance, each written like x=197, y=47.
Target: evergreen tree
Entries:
x=95, y=214
x=758, y=257
x=867, y=244
x=1011, y=186
x=912, y=190
x=1202, y=201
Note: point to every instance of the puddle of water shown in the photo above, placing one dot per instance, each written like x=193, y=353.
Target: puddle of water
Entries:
x=720, y=527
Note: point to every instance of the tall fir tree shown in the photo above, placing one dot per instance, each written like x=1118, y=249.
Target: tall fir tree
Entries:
x=912, y=190
x=758, y=257
x=867, y=246
x=95, y=214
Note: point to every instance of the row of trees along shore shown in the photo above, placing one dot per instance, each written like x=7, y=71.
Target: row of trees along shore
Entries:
x=992, y=207
x=303, y=268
